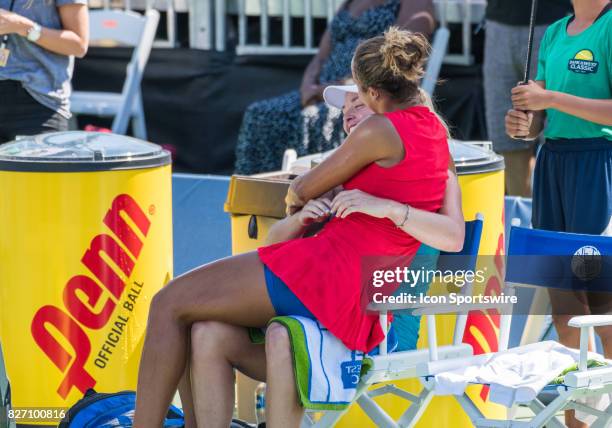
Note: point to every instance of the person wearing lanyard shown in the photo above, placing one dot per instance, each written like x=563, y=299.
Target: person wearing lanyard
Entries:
x=573, y=175
x=39, y=39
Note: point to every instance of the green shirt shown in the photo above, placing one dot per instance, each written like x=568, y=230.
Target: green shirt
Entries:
x=579, y=65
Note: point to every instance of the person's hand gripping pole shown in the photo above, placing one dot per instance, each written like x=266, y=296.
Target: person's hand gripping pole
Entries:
x=522, y=119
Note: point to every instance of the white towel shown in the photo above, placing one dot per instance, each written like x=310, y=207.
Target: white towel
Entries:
x=515, y=376
x=326, y=371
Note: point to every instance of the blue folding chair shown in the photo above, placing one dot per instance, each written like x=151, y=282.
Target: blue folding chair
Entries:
x=564, y=261
x=403, y=365
x=464, y=259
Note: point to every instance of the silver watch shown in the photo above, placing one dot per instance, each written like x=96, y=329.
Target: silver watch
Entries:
x=34, y=32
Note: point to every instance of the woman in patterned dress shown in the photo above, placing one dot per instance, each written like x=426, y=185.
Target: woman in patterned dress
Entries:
x=299, y=119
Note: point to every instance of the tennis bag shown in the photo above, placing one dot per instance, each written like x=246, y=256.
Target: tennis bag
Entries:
x=116, y=410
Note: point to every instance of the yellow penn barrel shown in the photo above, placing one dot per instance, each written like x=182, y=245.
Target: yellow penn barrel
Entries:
x=86, y=242
x=481, y=177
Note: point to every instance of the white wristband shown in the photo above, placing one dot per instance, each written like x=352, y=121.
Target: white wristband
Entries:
x=34, y=32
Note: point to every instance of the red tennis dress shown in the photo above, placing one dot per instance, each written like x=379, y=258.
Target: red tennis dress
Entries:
x=323, y=271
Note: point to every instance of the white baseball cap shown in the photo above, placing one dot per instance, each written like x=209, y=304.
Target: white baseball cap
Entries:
x=334, y=95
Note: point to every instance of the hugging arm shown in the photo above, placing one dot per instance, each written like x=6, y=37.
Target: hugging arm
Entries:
x=307, y=221
x=374, y=140
x=444, y=230
x=283, y=230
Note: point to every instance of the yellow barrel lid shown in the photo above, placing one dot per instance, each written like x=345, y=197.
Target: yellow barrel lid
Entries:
x=80, y=151
x=475, y=157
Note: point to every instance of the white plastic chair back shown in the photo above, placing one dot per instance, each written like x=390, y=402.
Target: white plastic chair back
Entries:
x=439, y=46
x=135, y=69
x=126, y=28
x=116, y=26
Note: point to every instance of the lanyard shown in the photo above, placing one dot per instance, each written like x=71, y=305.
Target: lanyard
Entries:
x=5, y=37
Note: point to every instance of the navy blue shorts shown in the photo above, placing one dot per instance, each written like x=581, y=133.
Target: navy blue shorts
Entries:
x=282, y=298
x=572, y=189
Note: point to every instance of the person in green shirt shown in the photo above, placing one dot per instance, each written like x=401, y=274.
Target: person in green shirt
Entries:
x=571, y=101
x=506, y=35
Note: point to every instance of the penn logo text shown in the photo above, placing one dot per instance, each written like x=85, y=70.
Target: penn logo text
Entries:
x=82, y=293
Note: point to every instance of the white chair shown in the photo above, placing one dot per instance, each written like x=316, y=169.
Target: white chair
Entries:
x=534, y=261
x=439, y=46
x=403, y=365
x=116, y=27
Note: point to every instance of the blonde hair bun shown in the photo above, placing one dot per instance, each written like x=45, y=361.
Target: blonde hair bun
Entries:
x=393, y=62
x=404, y=53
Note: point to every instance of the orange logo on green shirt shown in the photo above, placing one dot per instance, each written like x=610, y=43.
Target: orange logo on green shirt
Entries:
x=583, y=62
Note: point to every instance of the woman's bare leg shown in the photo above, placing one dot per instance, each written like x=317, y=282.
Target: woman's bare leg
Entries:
x=218, y=349
x=230, y=290
x=186, y=394
x=282, y=408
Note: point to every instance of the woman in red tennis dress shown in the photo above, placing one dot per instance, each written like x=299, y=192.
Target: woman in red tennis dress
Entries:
x=400, y=153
